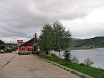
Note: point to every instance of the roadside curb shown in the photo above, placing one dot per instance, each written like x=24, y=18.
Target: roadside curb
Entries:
x=68, y=69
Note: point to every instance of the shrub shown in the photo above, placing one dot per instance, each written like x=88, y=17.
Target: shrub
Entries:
x=88, y=62
x=82, y=64
x=67, y=56
x=53, y=54
x=75, y=60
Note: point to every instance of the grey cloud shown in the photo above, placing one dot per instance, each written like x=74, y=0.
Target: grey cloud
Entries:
x=22, y=18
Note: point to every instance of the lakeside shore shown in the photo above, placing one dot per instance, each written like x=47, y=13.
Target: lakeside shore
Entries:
x=91, y=71
x=85, y=48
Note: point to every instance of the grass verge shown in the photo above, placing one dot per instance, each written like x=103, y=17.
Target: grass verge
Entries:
x=94, y=72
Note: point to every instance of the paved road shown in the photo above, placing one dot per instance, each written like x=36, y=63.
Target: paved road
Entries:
x=5, y=58
x=29, y=66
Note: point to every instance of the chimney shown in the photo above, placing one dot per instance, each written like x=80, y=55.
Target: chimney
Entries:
x=36, y=35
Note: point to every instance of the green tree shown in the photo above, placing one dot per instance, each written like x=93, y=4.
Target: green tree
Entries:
x=2, y=45
x=1, y=42
x=46, y=38
x=54, y=37
x=62, y=38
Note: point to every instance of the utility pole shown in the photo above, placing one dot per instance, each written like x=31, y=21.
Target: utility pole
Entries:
x=10, y=45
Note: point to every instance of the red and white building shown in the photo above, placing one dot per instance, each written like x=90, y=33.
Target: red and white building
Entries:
x=30, y=45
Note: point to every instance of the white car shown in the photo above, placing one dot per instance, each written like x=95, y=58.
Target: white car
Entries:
x=24, y=52
x=2, y=51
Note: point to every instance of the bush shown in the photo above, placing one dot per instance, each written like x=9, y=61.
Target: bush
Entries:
x=75, y=60
x=67, y=56
x=82, y=64
x=88, y=62
x=53, y=54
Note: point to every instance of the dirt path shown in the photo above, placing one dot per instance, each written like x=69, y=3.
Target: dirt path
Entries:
x=29, y=66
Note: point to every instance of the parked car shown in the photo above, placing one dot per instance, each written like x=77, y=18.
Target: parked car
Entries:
x=2, y=51
x=24, y=52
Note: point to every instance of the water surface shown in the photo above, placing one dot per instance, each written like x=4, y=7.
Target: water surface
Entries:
x=96, y=55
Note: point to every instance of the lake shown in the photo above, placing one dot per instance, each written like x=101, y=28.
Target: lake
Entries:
x=96, y=55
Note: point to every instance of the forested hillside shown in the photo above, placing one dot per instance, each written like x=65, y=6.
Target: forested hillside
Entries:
x=96, y=42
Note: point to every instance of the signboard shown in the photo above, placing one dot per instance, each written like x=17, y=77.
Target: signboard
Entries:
x=20, y=41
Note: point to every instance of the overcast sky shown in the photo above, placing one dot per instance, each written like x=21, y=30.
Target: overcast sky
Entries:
x=20, y=19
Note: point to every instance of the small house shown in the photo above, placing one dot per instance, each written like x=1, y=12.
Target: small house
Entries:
x=30, y=45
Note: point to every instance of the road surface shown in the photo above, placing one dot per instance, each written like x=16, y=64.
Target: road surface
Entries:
x=30, y=66
x=5, y=58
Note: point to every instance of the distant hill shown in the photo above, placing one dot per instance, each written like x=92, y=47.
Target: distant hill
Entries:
x=96, y=42
x=11, y=45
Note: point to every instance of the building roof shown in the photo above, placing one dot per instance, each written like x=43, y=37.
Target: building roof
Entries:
x=30, y=42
